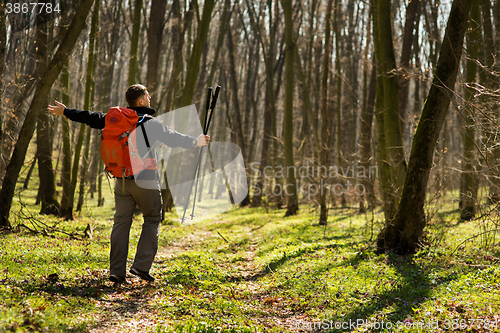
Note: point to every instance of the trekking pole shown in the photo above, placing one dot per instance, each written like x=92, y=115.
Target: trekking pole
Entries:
x=205, y=131
x=209, y=96
x=214, y=101
x=206, y=126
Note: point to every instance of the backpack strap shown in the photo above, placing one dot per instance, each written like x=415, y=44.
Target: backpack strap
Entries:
x=141, y=123
x=145, y=135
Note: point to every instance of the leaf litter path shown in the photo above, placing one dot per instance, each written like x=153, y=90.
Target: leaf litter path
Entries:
x=127, y=308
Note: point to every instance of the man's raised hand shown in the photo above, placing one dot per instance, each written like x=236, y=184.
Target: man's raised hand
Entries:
x=57, y=109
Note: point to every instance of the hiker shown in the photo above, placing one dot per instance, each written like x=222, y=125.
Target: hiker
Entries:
x=128, y=194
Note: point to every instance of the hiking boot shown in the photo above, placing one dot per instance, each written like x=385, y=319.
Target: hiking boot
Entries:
x=117, y=279
x=143, y=275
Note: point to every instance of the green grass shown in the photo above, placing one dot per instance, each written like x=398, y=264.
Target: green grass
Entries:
x=250, y=270
x=272, y=274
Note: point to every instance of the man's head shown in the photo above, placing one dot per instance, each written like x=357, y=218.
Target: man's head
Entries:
x=138, y=95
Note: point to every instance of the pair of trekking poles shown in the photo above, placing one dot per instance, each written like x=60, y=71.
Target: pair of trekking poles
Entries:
x=211, y=101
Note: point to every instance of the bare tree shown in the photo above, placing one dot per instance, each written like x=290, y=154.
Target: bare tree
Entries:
x=405, y=230
x=326, y=127
x=391, y=158
x=291, y=183
x=3, y=50
x=469, y=179
x=194, y=60
x=134, y=42
x=42, y=90
x=88, y=101
x=47, y=189
x=155, y=40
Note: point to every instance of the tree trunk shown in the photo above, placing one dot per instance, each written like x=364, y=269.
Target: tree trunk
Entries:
x=66, y=167
x=155, y=39
x=291, y=183
x=88, y=102
x=308, y=104
x=224, y=24
x=351, y=74
x=66, y=133
x=238, y=128
x=3, y=51
x=366, y=140
x=391, y=156
x=48, y=197
x=134, y=42
x=269, y=99
x=42, y=91
x=469, y=177
x=47, y=184
x=404, y=75
x=403, y=233
x=340, y=154
x=30, y=172
x=178, y=43
x=107, y=88
x=238, y=123
x=326, y=124
x=250, y=100
x=369, y=93
x=95, y=158
x=194, y=60
x=490, y=49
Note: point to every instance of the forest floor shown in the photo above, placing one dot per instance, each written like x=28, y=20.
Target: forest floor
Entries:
x=250, y=270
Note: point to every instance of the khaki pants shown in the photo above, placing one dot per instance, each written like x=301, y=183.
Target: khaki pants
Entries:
x=127, y=196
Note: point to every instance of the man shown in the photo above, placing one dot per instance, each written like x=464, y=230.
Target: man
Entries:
x=128, y=194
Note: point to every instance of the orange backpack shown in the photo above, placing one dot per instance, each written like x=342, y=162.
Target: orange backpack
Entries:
x=118, y=144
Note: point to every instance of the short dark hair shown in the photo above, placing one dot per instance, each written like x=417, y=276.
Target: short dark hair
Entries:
x=134, y=92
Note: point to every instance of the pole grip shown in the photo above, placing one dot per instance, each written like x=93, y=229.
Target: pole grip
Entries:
x=209, y=96
x=216, y=96
x=214, y=101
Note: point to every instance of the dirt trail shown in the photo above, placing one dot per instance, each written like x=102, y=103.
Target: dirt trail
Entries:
x=127, y=308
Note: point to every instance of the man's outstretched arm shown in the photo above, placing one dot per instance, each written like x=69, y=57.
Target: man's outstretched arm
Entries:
x=93, y=119
x=159, y=132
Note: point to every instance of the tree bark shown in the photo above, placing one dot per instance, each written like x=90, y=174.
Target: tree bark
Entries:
x=66, y=134
x=155, y=39
x=30, y=172
x=269, y=99
x=47, y=184
x=292, y=198
x=88, y=102
x=134, y=42
x=366, y=140
x=3, y=51
x=326, y=123
x=403, y=233
x=469, y=177
x=42, y=91
x=340, y=153
x=404, y=75
x=238, y=123
x=178, y=42
x=194, y=60
x=224, y=24
x=367, y=111
x=490, y=49
x=391, y=156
